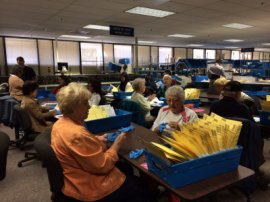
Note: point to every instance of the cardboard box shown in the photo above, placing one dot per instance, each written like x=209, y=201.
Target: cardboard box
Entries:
x=188, y=172
x=122, y=119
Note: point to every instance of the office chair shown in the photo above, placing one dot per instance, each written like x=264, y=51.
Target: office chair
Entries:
x=138, y=115
x=25, y=130
x=42, y=145
x=4, y=144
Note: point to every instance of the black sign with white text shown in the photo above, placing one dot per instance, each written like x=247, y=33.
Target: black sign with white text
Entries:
x=121, y=31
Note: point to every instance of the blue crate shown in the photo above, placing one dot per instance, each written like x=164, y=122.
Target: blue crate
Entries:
x=52, y=97
x=257, y=93
x=122, y=119
x=199, y=78
x=124, y=61
x=121, y=95
x=42, y=94
x=188, y=172
x=264, y=117
x=196, y=102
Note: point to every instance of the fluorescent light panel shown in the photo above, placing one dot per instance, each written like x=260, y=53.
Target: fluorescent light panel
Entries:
x=99, y=27
x=75, y=36
x=149, y=12
x=231, y=47
x=234, y=40
x=181, y=35
x=195, y=45
x=148, y=42
x=237, y=26
x=266, y=44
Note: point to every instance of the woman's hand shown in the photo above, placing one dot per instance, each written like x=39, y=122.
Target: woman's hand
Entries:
x=103, y=138
x=151, y=97
x=174, y=125
x=119, y=141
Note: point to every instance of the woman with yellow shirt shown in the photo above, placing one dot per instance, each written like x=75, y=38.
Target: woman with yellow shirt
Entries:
x=90, y=172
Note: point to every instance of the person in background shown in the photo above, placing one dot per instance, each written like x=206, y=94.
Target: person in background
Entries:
x=229, y=105
x=125, y=85
x=244, y=98
x=97, y=95
x=63, y=81
x=89, y=167
x=139, y=88
x=37, y=113
x=28, y=72
x=167, y=80
x=175, y=114
x=15, y=83
x=150, y=85
x=214, y=72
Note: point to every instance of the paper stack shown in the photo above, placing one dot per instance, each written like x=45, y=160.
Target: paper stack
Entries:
x=100, y=112
x=204, y=137
x=192, y=93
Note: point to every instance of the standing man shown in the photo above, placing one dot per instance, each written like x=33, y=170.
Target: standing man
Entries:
x=28, y=73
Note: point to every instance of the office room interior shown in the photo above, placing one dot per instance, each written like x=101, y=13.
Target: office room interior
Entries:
x=87, y=41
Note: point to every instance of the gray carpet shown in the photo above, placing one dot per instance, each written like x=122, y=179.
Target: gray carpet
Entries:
x=30, y=183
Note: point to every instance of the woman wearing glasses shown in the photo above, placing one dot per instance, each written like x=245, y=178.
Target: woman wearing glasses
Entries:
x=175, y=114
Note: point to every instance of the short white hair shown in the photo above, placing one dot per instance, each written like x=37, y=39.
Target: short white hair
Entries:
x=137, y=83
x=70, y=96
x=176, y=91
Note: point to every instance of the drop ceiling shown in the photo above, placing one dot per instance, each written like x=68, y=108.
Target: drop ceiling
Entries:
x=202, y=18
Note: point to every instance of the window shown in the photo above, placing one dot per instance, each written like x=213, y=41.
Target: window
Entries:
x=27, y=48
x=235, y=55
x=108, y=54
x=66, y=51
x=122, y=51
x=198, y=53
x=226, y=54
x=154, y=55
x=2, y=57
x=165, y=55
x=211, y=54
x=91, y=57
x=256, y=55
x=45, y=49
x=143, y=56
x=179, y=53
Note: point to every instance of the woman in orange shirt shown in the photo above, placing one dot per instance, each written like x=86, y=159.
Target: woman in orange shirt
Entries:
x=89, y=167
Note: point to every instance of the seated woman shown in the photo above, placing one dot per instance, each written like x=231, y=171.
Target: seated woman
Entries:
x=229, y=105
x=175, y=114
x=63, y=81
x=168, y=82
x=37, y=113
x=97, y=97
x=125, y=85
x=15, y=83
x=89, y=167
x=139, y=88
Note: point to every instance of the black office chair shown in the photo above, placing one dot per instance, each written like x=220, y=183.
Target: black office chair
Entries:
x=4, y=144
x=26, y=133
x=42, y=144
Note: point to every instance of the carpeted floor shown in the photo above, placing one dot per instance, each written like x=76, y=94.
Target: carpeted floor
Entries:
x=30, y=183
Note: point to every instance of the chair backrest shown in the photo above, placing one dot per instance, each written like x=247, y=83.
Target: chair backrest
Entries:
x=23, y=118
x=138, y=115
x=4, y=144
x=252, y=142
x=42, y=145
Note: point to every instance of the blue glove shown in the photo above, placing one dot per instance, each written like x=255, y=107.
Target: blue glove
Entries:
x=127, y=129
x=136, y=153
x=112, y=136
x=162, y=127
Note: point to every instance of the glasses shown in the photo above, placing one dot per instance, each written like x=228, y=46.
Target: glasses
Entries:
x=172, y=99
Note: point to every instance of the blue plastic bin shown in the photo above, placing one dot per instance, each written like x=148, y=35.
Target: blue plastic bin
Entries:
x=122, y=119
x=52, y=97
x=124, y=61
x=42, y=94
x=196, y=102
x=121, y=95
x=188, y=172
x=264, y=117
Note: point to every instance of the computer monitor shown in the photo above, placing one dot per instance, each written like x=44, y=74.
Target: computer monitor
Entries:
x=62, y=66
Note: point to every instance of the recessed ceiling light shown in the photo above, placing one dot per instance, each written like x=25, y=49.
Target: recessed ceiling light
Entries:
x=195, y=45
x=75, y=36
x=148, y=42
x=150, y=12
x=266, y=44
x=231, y=47
x=181, y=35
x=237, y=26
x=234, y=40
x=100, y=27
